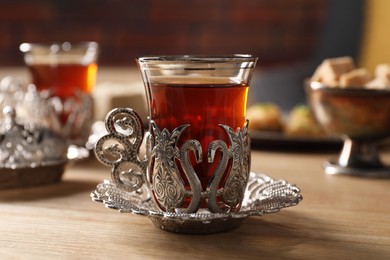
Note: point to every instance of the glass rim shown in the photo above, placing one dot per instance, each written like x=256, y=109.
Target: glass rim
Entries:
x=65, y=45
x=227, y=58
x=350, y=91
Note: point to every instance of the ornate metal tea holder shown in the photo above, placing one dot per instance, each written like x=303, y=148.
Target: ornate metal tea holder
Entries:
x=76, y=129
x=32, y=152
x=161, y=196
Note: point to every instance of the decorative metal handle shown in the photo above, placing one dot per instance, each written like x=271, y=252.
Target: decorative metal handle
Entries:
x=120, y=148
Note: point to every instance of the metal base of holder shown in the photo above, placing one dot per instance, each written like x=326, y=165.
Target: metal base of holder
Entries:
x=263, y=195
x=358, y=158
x=188, y=226
x=331, y=167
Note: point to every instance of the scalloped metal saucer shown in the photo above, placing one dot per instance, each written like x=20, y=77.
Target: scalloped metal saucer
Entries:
x=263, y=195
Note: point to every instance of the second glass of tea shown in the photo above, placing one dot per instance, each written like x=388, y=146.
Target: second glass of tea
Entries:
x=200, y=146
x=65, y=73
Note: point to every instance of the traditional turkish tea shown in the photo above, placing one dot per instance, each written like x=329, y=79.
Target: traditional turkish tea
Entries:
x=64, y=80
x=65, y=74
x=204, y=107
x=198, y=148
x=201, y=153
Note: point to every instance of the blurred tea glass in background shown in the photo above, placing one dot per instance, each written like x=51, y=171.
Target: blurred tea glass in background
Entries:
x=65, y=73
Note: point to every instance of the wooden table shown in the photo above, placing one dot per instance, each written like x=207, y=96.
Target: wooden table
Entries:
x=340, y=217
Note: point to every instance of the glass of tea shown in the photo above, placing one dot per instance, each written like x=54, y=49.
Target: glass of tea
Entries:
x=65, y=74
x=200, y=101
x=198, y=147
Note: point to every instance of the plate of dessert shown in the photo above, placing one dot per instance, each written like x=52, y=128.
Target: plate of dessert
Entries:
x=272, y=128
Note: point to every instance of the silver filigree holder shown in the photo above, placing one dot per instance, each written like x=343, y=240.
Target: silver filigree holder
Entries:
x=78, y=109
x=31, y=152
x=163, y=155
x=164, y=191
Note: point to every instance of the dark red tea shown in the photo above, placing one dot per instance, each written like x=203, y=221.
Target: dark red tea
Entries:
x=204, y=107
x=64, y=80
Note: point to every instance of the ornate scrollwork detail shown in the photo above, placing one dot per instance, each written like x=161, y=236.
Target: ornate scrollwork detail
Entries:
x=167, y=184
x=26, y=144
x=74, y=114
x=237, y=177
x=192, y=177
x=219, y=172
x=120, y=148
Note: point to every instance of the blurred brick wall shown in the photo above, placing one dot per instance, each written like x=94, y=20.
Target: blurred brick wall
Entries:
x=278, y=31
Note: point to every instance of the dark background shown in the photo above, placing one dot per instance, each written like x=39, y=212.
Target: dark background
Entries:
x=290, y=37
x=278, y=31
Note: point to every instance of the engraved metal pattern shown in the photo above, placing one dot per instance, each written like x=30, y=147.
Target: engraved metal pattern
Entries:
x=28, y=145
x=212, y=189
x=78, y=109
x=166, y=181
x=27, y=129
x=30, y=105
x=238, y=176
x=168, y=185
x=161, y=163
x=196, y=186
x=71, y=117
x=120, y=149
x=263, y=195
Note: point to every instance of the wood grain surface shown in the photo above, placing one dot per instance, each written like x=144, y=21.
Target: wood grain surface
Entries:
x=340, y=217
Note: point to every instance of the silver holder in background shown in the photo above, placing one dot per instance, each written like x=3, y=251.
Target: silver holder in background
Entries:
x=71, y=118
x=31, y=152
x=78, y=109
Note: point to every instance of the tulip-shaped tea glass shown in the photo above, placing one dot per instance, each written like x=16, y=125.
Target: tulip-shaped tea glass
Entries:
x=65, y=73
x=198, y=148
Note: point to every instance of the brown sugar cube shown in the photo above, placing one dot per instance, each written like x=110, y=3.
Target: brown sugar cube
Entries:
x=378, y=83
x=355, y=78
x=382, y=77
x=382, y=71
x=330, y=70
